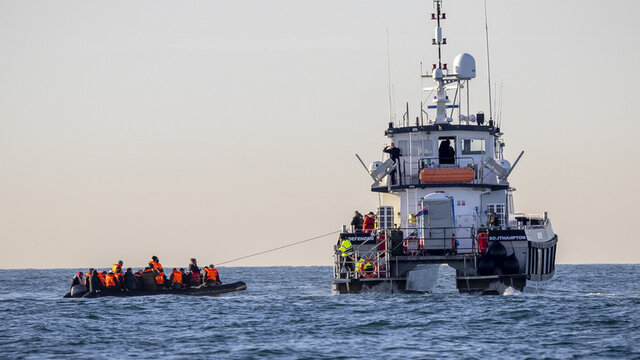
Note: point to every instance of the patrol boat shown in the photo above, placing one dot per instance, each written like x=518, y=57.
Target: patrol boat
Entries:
x=446, y=199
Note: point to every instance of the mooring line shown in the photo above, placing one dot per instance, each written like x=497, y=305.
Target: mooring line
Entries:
x=279, y=247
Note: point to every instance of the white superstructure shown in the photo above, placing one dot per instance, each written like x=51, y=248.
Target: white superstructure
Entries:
x=449, y=191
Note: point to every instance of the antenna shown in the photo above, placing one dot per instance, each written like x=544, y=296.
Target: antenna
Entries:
x=438, y=40
x=391, y=117
x=499, y=108
x=486, y=31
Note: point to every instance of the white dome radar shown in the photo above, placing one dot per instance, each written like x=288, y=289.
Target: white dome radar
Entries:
x=464, y=66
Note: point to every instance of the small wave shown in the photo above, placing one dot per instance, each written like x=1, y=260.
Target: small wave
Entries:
x=510, y=291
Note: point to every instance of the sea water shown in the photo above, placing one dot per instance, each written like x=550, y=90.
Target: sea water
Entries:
x=585, y=311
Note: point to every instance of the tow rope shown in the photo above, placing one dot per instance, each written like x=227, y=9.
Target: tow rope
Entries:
x=279, y=247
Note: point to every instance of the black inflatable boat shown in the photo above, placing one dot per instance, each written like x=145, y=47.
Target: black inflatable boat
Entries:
x=200, y=291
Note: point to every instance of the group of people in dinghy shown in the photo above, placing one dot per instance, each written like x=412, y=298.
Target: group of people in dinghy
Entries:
x=151, y=278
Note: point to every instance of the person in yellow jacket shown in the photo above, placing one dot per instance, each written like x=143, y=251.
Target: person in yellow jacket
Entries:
x=346, y=255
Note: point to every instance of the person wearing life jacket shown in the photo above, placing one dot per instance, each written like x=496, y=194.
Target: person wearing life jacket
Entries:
x=161, y=280
x=112, y=284
x=155, y=264
x=211, y=276
x=86, y=277
x=194, y=273
x=120, y=277
x=117, y=266
x=101, y=276
x=176, y=278
x=346, y=255
x=95, y=284
x=369, y=222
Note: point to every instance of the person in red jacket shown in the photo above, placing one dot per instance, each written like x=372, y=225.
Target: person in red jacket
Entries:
x=369, y=223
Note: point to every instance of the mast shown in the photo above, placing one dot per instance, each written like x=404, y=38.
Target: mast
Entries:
x=441, y=98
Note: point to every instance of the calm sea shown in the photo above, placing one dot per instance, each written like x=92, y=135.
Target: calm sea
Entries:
x=586, y=311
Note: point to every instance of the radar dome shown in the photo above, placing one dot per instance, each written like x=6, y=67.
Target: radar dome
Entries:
x=465, y=66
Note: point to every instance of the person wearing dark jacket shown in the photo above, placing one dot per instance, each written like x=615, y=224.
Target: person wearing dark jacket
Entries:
x=95, y=284
x=356, y=222
x=77, y=279
x=394, y=154
x=446, y=153
x=130, y=282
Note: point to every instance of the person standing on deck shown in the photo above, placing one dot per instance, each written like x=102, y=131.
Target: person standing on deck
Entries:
x=369, y=223
x=346, y=254
x=356, y=222
x=394, y=154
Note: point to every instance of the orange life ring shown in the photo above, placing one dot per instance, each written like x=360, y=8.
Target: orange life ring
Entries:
x=368, y=275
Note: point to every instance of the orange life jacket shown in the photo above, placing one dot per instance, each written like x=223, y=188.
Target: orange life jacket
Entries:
x=110, y=280
x=160, y=279
x=119, y=277
x=211, y=274
x=177, y=277
x=116, y=267
x=102, y=279
x=156, y=265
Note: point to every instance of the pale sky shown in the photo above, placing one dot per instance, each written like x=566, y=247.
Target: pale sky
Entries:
x=216, y=129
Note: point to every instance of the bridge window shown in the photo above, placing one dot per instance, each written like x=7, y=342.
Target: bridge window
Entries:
x=473, y=146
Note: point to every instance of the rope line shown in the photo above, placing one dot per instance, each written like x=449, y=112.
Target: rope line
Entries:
x=279, y=247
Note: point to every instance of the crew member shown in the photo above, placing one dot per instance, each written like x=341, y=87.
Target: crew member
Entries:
x=493, y=220
x=356, y=222
x=369, y=222
x=446, y=153
x=346, y=254
x=117, y=266
x=394, y=154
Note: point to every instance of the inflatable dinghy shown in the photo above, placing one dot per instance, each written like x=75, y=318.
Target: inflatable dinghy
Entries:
x=80, y=291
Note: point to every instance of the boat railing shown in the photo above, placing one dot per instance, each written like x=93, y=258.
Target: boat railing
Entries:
x=377, y=255
x=410, y=170
x=386, y=244
x=423, y=241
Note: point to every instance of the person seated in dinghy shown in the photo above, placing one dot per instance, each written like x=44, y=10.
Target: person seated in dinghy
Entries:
x=211, y=276
x=130, y=282
x=95, y=284
x=112, y=284
x=77, y=279
x=161, y=280
x=193, y=276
